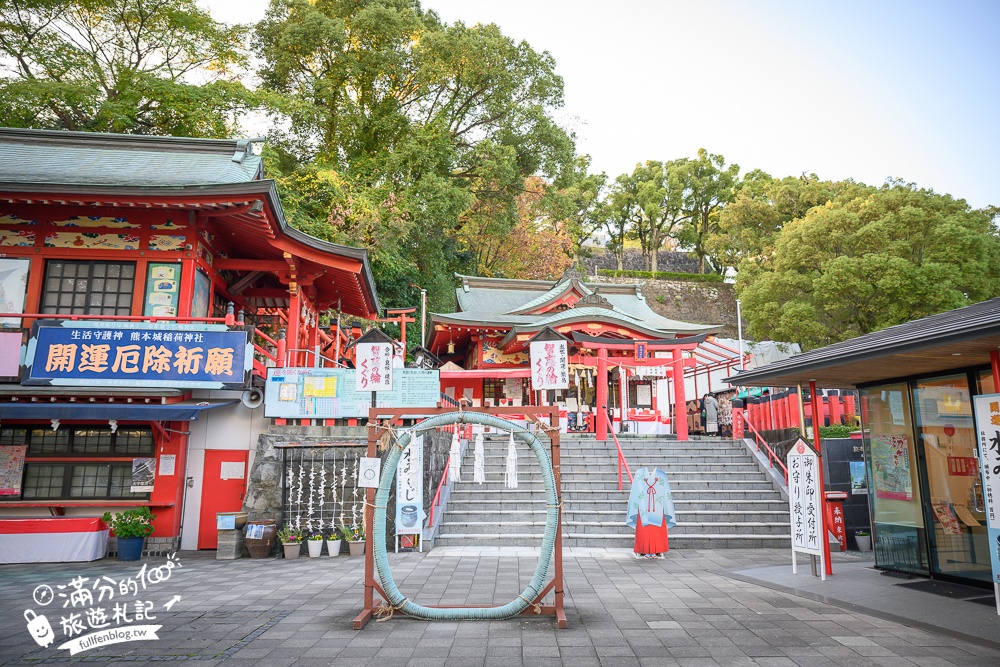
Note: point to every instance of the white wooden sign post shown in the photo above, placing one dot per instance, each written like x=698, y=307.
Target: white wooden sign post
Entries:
x=987, y=411
x=549, y=360
x=804, y=503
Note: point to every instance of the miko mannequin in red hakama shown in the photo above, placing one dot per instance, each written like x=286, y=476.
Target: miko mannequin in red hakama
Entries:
x=650, y=512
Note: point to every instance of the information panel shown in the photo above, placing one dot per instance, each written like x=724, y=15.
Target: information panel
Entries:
x=329, y=393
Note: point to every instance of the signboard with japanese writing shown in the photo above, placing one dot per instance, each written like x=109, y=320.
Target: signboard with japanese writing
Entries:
x=410, y=489
x=804, y=500
x=373, y=364
x=987, y=411
x=11, y=469
x=549, y=365
x=329, y=393
x=135, y=354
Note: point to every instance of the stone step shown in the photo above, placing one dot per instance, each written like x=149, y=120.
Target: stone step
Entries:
x=690, y=541
x=535, y=510
x=613, y=527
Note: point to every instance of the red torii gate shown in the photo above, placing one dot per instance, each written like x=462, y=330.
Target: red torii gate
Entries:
x=639, y=353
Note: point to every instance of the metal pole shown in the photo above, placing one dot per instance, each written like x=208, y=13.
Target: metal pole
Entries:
x=423, y=317
x=739, y=329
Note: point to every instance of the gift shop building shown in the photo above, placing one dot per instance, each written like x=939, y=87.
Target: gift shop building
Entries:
x=917, y=382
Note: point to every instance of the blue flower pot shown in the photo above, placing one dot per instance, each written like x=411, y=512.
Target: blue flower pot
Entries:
x=130, y=548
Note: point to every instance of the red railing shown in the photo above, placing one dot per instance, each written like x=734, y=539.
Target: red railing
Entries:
x=771, y=456
x=437, y=496
x=621, y=460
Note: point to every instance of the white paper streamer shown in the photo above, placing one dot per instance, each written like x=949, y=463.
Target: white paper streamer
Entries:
x=479, y=471
x=455, y=460
x=510, y=474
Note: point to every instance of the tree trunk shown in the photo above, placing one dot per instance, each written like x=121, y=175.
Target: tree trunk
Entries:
x=655, y=244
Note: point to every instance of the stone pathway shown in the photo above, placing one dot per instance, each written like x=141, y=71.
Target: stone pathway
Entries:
x=684, y=610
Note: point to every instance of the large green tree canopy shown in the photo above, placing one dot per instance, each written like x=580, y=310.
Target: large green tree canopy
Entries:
x=131, y=66
x=414, y=138
x=869, y=258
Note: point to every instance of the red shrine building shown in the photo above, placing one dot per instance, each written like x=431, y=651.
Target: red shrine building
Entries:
x=624, y=357
x=146, y=283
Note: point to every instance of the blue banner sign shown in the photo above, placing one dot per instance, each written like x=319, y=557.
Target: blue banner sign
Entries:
x=134, y=354
x=329, y=393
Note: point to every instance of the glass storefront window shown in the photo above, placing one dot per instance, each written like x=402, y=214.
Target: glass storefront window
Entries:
x=892, y=468
x=959, y=545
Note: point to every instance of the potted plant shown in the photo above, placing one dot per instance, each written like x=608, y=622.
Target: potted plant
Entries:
x=333, y=543
x=864, y=540
x=291, y=541
x=131, y=527
x=355, y=536
x=315, y=544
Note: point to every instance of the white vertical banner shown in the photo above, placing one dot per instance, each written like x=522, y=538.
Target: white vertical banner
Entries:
x=804, y=503
x=549, y=365
x=410, y=489
x=373, y=367
x=986, y=409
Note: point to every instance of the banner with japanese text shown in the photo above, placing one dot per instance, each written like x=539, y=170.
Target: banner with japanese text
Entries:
x=373, y=363
x=134, y=354
x=549, y=365
x=986, y=409
x=410, y=489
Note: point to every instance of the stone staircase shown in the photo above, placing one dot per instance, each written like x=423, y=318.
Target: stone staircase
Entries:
x=722, y=498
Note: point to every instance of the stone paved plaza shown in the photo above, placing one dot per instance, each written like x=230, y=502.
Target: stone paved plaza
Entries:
x=691, y=608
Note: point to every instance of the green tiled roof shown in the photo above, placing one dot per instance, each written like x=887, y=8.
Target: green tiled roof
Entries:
x=89, y=158
x=486, y=301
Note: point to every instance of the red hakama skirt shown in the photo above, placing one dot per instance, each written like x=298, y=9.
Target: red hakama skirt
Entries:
x=651, y=539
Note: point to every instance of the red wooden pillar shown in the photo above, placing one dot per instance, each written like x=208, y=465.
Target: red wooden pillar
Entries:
x=680, y=401
x=793, y=410
x=849, y=406
x=836, y=410
x=822, y=486
x=294, y=310
x=602, y=394
x=995, y=366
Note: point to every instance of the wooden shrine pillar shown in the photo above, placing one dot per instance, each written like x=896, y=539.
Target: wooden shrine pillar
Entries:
x=602, y=395
x=680, y=401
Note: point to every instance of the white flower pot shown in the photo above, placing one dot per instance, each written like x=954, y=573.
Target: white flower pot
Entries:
x=864, y=542
x=315, y=548
x=333, y=547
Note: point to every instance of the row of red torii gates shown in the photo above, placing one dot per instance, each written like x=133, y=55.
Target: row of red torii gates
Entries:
x=694, y=352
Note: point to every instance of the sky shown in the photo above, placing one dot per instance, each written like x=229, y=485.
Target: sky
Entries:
x=865, y=90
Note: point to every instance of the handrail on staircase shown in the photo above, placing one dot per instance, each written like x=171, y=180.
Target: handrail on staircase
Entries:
x=437, y=496
x=771, y=456
x=621, y=456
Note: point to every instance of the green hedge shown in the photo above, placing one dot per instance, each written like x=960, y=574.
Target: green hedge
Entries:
x=663, y=275
x=835, y=431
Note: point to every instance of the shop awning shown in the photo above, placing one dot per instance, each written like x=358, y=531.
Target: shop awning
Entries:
x=148, y=412
x=487, y=373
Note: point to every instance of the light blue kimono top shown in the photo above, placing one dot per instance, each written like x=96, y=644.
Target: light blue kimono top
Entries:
x=650, y=498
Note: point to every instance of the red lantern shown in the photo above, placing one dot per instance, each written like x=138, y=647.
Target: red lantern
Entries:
x=949, y=430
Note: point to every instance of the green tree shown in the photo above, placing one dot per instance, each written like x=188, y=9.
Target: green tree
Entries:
x=869, y=259
x=131, y=66
x=447, y=121
x=710, y=186
x=660, y=196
